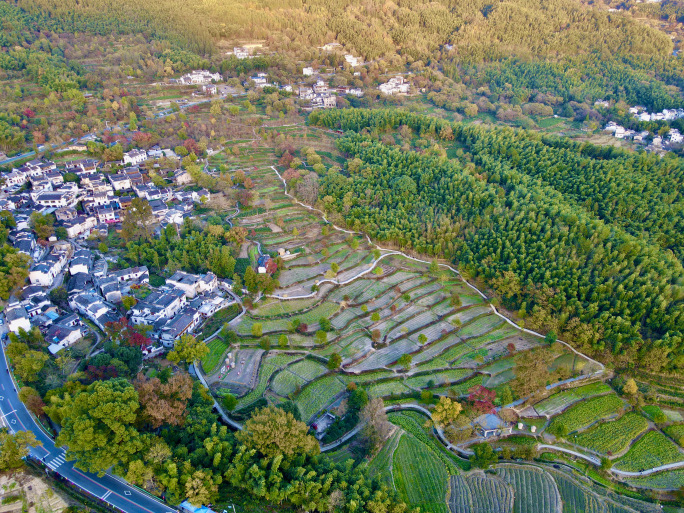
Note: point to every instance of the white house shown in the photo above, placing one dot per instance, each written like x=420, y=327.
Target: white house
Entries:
x=158, y=305
x=395, y=85
x=120, y=181
x=308, y=71
x=81, y=262
x=193, y=284
x=241, y=52
x=675, y=136
x=79, y=225
x=353, y=61
x=60, y=336
x=56, y=199
x=199, y=77
x=94, y=307
x=186, y=321
x=134, y=157
x=17, y=318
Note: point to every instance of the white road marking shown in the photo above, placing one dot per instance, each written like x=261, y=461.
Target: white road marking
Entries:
x=2, y=398
x=126, y=492
x=106, y=495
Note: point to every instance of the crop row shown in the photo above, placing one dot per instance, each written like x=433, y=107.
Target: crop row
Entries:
x=651, y=450
x=557, y=402
x=535, y=490
x=615, y=436
x=587, y=412
x=490, y=495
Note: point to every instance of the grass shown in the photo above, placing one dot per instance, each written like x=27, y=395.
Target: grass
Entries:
x=419, y=476
x=587, y=412
x=652, y=450
x=613, y=437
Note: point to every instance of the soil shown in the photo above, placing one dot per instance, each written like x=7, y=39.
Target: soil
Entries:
x=35, y=492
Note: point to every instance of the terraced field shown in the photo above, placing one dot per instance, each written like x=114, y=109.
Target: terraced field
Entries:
x=613, y=437
x=652, y=450
x=452, y=336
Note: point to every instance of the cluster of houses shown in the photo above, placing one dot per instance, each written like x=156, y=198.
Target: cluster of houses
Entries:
x=395, y=85
x=323, y=96
x=199, y=77
x=173, y=310
x=85, y=200
x=97, y=200
x=642, y=114
x=656, y=142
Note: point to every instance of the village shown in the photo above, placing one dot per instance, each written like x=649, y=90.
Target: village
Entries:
x=91, y=208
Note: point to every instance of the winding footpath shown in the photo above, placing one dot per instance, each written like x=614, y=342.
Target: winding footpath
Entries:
x=415, y=407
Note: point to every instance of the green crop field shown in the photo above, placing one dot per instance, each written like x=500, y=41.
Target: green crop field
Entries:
x=557, y=402
x=419, y=476
x=587, y=412
x=676, y=432
x=308, y=369
x=668, y=480
x=217, y=348
x=286, y=383
x=488, y=494
x=381, y=464
x=535, y=490
x=614, y=436
x=387, y=388
x=317, y=395
x=652, y=450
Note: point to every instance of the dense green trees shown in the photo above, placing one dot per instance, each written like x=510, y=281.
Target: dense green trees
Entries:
x=574, y=273
x=97, y=425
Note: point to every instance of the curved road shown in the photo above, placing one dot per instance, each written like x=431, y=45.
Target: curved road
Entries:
x=112, y=490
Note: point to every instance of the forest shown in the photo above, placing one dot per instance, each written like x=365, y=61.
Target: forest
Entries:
x=552, y=249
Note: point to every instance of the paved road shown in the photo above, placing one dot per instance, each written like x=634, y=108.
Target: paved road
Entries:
x=114, y=491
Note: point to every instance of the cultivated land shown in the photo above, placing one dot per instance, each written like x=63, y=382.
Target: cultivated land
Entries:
x=381, y=306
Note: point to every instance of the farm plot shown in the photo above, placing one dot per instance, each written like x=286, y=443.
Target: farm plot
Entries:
x=381, y=465
x=460, y=389
x=398, y=277
x=375, y=290
x=535, y=490
x=668, y=480
x=438, y=378
x=442, y=308
x=500, y=379
x=469, y=314
x=277, y=307
x=308, y=369
x=489, y=494
x=430, y=300
x=318, y=395
x=676, y=432
x=265, y=372
x=413, y=283
x=419, y=476
x=587, y=412
x=436, y=349
x=385, y=356
x=613, y=437
x=299, y=274
x=286, y=383
x=575, y=498
x=651, y=450
x=351, y=289
x=324, y=310
x=388, y=388
x=415, y=323
x=217, y=349
x=267, y=326
x=460, y=499
x=558, y=402
x=480, y=326
x=433, y=332
x=345, y=317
